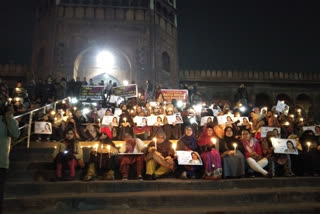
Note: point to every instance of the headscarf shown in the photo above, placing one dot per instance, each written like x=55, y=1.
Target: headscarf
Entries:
x=130, y=145
x=189, y=141
x=204, y=138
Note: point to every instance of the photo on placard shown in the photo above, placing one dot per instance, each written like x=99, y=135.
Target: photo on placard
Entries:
x=171, y=119
x=282, y=107
x=312, y=128
x=205, y=120
x=178, y=119
x=141, y=121
x=188, y=158
x=241, y=121
x=101, y=112
x=284, y=146
x=42, y=128
x=228, y=119
x=265, y=129
x=221, y=119
x=110, y=120
x=155, y=120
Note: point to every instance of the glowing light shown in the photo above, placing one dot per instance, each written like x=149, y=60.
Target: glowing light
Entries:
x=108, y=148
x=52, y=113
x=301, y=119
x=85, y=111
x=287, y=123
x=125, y=82
x=94, y=104
x=291, y=115
x=192, y=120
x=214, y=140
x=235, y=146
x=308, y=144
x=174, y=146
x=242, y=109
x=179, y=104
x=105, y=60
x=198, y=108
x=299, y=110
x=74, y=100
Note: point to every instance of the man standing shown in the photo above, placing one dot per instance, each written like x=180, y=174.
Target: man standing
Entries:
x=8, y=128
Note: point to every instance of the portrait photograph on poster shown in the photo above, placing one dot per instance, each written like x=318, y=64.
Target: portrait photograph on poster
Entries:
x=110, y=120
x=155, y=120
x=284, y=146
x=282, y=107
x=42, y=128
x=188, y=158
x=205, y=120
x=140, y=121
x=266, y=129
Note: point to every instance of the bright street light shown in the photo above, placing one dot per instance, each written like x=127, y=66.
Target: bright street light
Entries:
x=105, y=60
x=125, y=82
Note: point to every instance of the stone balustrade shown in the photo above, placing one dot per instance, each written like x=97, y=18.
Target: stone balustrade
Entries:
x=248, y=76
x=13, y=70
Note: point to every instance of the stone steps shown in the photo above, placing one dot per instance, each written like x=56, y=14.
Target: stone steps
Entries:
x=284, y=208
x=164, y=198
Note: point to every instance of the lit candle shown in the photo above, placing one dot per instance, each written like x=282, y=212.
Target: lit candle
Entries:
x=134, y=107
x=291, y=115
x=125, y=119
x=165, y=102
x=98, y=120
x=139, y=95
x=301, y=119
x=214, y=140
x=150, y=108
x=120, y=145
x=299, y=110
x=155, y=142
x=287, y=123
x=96, y=147
x=108, y=148
x=174, y=146
x=275, y=115
x=235, y=146
x=55, y=118
x=63, y=102
x=308, y=144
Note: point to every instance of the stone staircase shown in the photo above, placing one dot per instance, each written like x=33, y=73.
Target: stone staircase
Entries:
x=254, y=195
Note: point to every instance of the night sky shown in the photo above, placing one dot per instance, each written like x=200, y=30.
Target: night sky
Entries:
x=213, y=34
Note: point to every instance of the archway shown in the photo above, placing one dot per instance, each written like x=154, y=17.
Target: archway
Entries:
x=263, y=99
x=103, y=64
x=304, y=101
x=284, y=97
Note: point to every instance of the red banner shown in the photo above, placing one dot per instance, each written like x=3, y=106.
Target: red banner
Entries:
x=177, y=94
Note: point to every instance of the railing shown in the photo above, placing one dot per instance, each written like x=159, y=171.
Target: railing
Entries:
x=249, y=76
x=30, y=120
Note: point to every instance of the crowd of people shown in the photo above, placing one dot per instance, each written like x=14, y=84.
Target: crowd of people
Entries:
x=229, y=149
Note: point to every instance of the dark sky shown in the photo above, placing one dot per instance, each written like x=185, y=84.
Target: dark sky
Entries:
x=213, y=34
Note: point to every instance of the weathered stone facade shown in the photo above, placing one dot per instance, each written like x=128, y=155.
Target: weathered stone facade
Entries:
x=264, y=87
x=11, y=73
x=141, y=33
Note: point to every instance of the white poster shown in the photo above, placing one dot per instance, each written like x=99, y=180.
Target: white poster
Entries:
x=284, y=146
x=101, y=112
x=188, y=158
x=315, y=129
x=282, y=107
x=140, y=121
x=117, y=112
x=155, y=120
x=176, y=118
x=242, y=120
x=225, y=119
x=206, y=119
x=115, y=99
x=113, y=120
x=42, y=128
x=266, y=129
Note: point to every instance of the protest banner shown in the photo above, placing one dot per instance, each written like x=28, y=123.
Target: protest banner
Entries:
x=127, y=91
x=188, y=158
x=266, y=129
x=177, y=94
x=92, y=92
x=42, y=128
x=241, y=120
x=284, y=146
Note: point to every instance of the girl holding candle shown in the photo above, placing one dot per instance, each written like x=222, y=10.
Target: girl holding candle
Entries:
x=126, y=123
x=210, y=156
x=69, y=153
x=231, y=151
